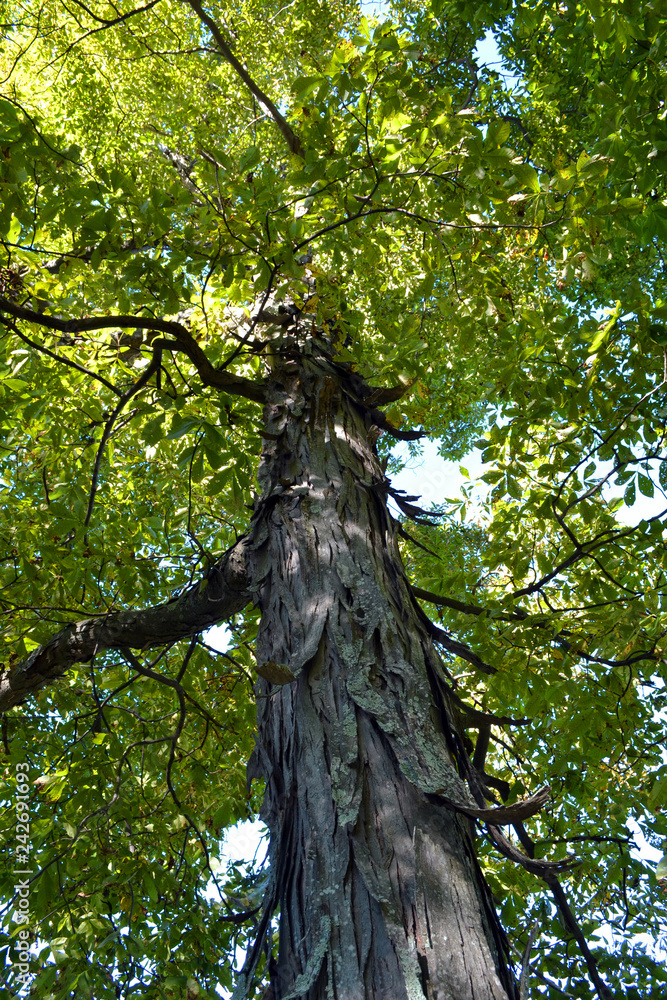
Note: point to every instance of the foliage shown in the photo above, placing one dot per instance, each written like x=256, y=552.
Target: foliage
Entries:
x=500, y=253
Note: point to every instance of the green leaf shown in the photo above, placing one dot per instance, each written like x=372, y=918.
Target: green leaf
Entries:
x=645, y=485
x=181, y=426
x=662, y=473
x=304, y=86
x=527, y=177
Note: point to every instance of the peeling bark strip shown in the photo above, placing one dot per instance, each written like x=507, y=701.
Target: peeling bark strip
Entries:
x=379, y=892
x=221, y=593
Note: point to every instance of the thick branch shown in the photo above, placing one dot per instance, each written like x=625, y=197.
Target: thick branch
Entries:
x=288, y=133
x=536, y=866
x=183, y=341
x=221, y=593
x=384, y=424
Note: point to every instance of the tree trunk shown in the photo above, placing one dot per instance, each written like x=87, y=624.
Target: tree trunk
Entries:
x=379, y=892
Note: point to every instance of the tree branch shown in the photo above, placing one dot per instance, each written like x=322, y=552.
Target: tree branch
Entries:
x=57, y=357
x=536, y=866
x=518, y=615
x=54, y=264
x=525, y=961
x=466, y=609
x=136, y=387
x=569, y=920
x=457, y=648
x=183, y=341
x=522, y=809
x=221, y=593
x=290, y=137
x=571, y=924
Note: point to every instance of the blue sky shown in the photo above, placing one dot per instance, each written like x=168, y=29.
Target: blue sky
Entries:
x=435, y=480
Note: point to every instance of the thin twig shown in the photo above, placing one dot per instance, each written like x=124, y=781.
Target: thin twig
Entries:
x=136, y=387
x=525, y=961
x=57, y=357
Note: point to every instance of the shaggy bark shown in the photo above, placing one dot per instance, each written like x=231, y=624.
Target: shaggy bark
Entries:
x=379, y=892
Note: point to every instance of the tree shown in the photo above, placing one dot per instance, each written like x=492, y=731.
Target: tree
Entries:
x=251, y=247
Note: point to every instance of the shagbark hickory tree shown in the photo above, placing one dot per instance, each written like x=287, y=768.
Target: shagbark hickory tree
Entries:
x=246, y=248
